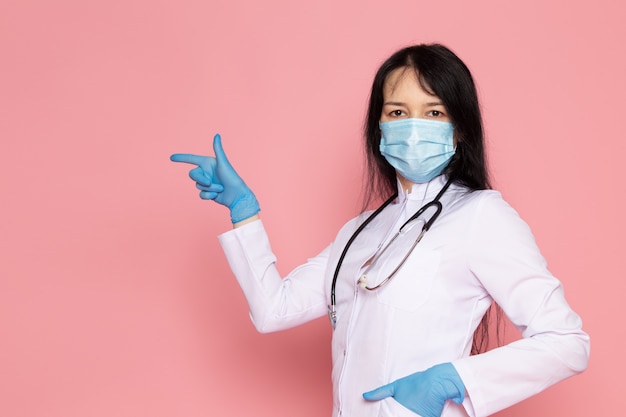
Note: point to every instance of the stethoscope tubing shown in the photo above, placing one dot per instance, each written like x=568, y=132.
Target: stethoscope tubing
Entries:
x=434, y=203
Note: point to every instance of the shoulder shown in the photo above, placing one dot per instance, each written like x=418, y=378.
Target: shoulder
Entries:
x=494, y=223
x=472, y=203
x=478, y=200
x=491, y=206
x=369, y=221
x=354, y=223
x=484, y=214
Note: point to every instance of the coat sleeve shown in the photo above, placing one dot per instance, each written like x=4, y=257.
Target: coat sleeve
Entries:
x=505, y=260
x=275, y=303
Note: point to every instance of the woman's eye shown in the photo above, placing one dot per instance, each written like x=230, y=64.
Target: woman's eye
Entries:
x=396, y=113
x=435, y=113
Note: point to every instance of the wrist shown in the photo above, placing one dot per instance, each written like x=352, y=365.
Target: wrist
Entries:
x=451, y=382
x=243, y=208
x=246, y=221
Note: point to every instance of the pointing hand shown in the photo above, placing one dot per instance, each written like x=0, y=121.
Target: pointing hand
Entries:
x=217, y=180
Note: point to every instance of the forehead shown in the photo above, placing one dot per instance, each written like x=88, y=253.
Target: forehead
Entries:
x=405, y=81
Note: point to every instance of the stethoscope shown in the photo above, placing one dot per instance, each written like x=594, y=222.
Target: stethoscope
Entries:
x=332, y=313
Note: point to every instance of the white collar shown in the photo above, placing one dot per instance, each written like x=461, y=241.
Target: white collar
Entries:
x=421, y=191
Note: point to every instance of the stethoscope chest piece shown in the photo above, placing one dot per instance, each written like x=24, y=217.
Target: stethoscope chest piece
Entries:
x=332, y=315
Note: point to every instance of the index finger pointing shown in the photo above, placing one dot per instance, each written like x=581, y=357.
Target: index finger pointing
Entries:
x=188, y=158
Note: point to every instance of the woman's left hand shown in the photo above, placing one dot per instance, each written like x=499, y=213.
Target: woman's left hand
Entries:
x=424, y=393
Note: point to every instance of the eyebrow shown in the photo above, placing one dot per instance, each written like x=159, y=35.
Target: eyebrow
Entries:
x=399, y=103
x=394, y=103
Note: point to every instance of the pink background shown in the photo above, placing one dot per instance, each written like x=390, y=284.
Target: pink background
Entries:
x=115, y=298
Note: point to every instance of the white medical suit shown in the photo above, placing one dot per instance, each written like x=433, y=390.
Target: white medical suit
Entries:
x=477, y=251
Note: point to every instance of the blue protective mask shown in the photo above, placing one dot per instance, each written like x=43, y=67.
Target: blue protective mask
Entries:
x=419, y=149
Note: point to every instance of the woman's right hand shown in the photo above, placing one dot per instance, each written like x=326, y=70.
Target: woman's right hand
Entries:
x=217, y=180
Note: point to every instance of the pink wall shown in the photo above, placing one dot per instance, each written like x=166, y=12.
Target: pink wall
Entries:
x=115, y=298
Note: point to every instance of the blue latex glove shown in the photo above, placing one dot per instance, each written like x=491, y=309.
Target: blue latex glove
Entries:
x=217, y=180
x=424, y=393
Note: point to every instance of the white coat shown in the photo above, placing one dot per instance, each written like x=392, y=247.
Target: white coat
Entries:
x=477, y=251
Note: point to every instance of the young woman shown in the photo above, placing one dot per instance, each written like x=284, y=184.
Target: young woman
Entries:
x=406, y=286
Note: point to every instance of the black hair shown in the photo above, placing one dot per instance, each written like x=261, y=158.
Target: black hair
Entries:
x=440, y=72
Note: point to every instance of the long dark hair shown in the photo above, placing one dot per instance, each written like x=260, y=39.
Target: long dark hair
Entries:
x=441, y=73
